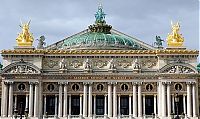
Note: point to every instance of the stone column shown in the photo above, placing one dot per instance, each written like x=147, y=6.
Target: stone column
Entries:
x=114, y=101
x=168, y=99
x=65, y=100
x=109, y=100
x=70, y=105
x=130, y=111
x=189, y=109
x=119, y=106
x=60, y=100
x=26, y=106
x=85, y=100
x=36, y=100
x=94, y=104
x=139, y=100
x=105, y=105
x=144, y=105
x=173, y=104
x=81, y=105
x=10, y=106
x=5, y=104
x=45, y=104
x=184, y=105
x=163, y=99
x=194, y=99
x=90, y=100
x=2, y=99
x=31, y=100
x=15, y=105
x=159, y=98
x=56, y=106
x=155, y=105
x=134, y=100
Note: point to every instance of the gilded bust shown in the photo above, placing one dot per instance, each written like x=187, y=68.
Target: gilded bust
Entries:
x=175, y=39
x=25, y=38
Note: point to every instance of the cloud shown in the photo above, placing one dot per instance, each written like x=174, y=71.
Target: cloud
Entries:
x=58, y=19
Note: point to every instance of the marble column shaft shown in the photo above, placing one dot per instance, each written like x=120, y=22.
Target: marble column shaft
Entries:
x=65, y=101
x=134, y=101
x=139, y=101
x=60, y=100
x=31, y=100
x=109, y=100
x=90, y=101
x=168, y=100
x=36, y=100
x=85, y=101
x=114, y=101
x=189, y=108
x=194, y=99
x=10, y=103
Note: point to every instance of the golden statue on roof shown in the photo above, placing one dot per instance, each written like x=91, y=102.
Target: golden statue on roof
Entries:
x=175, y=39
x=25, y=38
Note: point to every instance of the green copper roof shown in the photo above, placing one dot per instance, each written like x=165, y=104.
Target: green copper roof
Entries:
x=95, y=40
x=198, y=67
x=100, y=37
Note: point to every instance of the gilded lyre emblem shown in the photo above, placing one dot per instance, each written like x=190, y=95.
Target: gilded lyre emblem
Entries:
x=175, y=39
x=25, y=38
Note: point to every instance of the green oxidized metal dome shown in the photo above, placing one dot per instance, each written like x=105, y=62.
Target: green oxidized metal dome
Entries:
x=99, y=37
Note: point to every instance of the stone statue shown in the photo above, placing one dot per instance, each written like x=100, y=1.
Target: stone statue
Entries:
x=100, y=15
x=175, y=39
x=158, y=42
x=41, y=42
x=111, y=64
x=25, y=38
x=62, y=64
x=86, y=64
x=136, y=64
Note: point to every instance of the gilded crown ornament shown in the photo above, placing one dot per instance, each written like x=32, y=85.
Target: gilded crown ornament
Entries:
x=175, y=39
x=25, y=38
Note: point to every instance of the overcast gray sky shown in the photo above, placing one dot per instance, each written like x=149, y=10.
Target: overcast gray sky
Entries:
x=57, y=19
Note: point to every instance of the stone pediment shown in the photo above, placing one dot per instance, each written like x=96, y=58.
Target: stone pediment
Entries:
x=178, y=68
x=21, y=68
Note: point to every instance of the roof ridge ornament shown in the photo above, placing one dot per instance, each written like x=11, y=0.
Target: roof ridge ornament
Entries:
x=100, y=15
x=100, y=25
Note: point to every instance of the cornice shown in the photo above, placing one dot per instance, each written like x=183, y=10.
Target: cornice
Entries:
x=91, y=52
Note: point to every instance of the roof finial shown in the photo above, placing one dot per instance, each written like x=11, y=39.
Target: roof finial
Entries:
x=100, y=15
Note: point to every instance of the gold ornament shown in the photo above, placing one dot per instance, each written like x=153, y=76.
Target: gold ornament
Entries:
x=25, y=38
x=175, y=39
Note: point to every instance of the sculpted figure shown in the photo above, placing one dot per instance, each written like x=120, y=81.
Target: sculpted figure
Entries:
x=111, y=64
x=41, y=42
x=86, y=64
x=25, y=38
x=62, y=64
x=136, y=64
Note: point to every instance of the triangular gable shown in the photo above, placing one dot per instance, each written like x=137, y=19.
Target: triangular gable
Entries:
x=58, y=45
